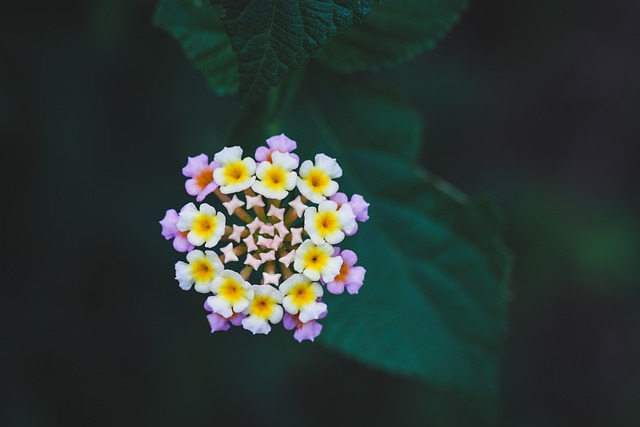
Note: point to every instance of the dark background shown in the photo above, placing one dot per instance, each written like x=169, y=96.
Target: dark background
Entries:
x=535, y=102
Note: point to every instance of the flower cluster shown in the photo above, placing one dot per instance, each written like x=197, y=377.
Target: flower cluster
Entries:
x=284, y=220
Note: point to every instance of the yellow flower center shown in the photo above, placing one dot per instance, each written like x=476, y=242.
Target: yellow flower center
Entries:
x=204, y=225
x=235, y=172
x=262, y=306
x=202, y=270
x=327, y=223
x=302, y=294
x=275, y=178
x=317, y=180
x=315, y=259
x=231, y=291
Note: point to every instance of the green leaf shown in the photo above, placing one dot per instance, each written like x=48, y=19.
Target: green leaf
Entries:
x=196, y=24
x=396, y=31
x=433, y=305
x=272, y=37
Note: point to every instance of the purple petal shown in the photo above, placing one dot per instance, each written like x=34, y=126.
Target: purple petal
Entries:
x=360, y=207
x=192, y=187
x=168, y=224
x=236, y=319
x=195, y=165
x=281, y=143
x=355, y=278
x=308, y=331
x=217, y=322
x=289, y=321
x=181, y=244
x=349, y=257
x=340, y=199
x=206, y=191
x=262, y=153
x=335, y=288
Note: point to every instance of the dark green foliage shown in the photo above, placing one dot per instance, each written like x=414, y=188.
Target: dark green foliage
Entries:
x=198, y=27
x=272, y=37
x=397, y=31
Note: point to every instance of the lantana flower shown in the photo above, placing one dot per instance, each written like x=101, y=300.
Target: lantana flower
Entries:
x=315, y=261
x=279, y=143
x=201, y=269
x=274, y=228
x=351, y=276
x=205, y=226
x=200, y=172
x=316, y=180
x=276, y=177
x=328, y=224
x=301, y=295
x=264, y=308
x=235, y=173
x=232, y=294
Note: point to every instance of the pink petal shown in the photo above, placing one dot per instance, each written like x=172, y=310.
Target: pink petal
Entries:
x=195, y=165
x=349, y=257
x=217, y=322
x=168, y=224
x=360, y=207
x=308, y=331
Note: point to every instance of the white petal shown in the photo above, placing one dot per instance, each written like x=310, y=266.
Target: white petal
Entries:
x=305, y=168
x=203, y=287
x=228, y=155
x=284, y=160
x=276, y=315
x=332, y=269
x=329, y=165
x=220, y=305
x=312, y=311
x=256, y=325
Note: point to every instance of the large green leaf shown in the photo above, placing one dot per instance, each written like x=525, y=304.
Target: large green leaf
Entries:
x=197, y=26
x=272, y=37
x=397, y=31
x=433, y=305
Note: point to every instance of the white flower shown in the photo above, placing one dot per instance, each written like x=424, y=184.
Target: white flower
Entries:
x=235, y=173
x=316, y=179
x=201, y=270
x=264, y=308
x=328, y=224
x=232, y=292
x=276, y=178
x=315, y=261
x=300, y=296
x=205, y=225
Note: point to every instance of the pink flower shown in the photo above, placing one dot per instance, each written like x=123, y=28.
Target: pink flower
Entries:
x=276, y=143
x=221, y=323
x=170, y=231
x=350, y=276
x=200, y=171
x=358, y=205
x=303, y=331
